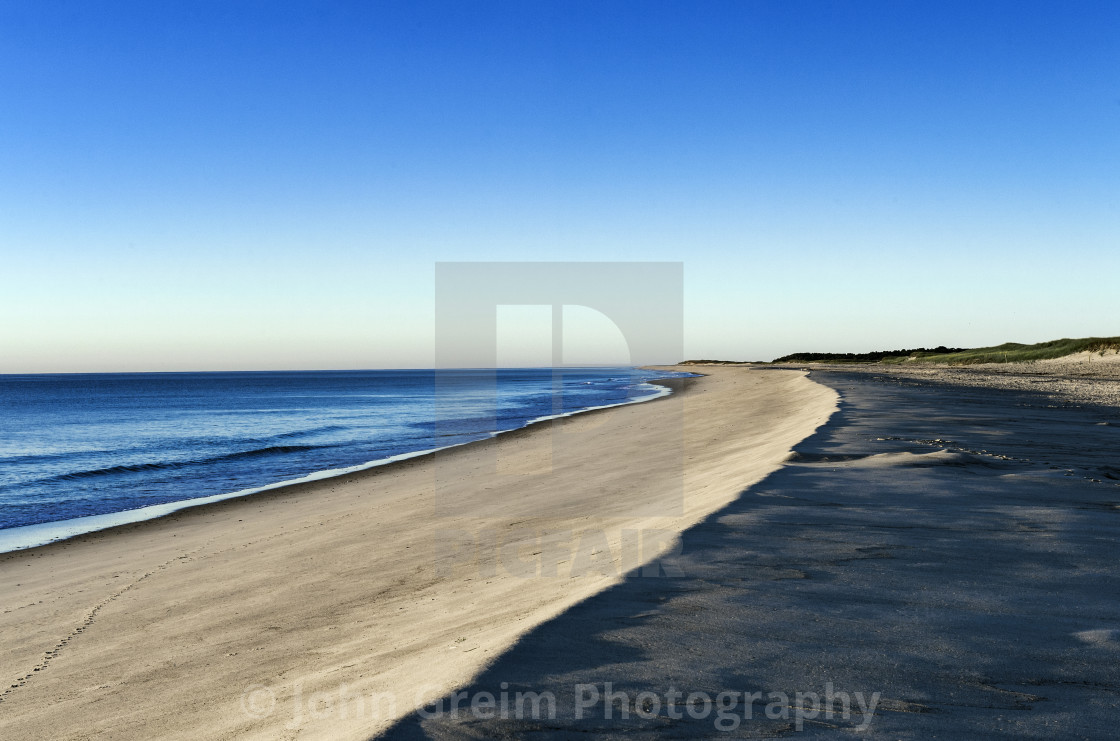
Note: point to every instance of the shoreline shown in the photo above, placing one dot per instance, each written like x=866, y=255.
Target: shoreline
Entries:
x=158, y=629
x=26, y=537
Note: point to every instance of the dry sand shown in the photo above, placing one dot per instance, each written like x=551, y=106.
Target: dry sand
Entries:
x=379, y=582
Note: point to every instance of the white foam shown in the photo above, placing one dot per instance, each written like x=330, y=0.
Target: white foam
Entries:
x=29, y=536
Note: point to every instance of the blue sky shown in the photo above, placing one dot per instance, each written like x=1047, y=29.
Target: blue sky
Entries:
x=218, y=185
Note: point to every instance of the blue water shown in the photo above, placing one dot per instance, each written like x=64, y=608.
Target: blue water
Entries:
x=73, y=446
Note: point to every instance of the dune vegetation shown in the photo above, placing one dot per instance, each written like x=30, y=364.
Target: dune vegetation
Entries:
x=1014, y=352
x=1008, y=352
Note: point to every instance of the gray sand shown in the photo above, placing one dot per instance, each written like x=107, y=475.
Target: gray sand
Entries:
x=948, y=546
x=1077, y=380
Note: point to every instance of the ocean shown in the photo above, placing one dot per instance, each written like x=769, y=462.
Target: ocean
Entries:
x=80, y=452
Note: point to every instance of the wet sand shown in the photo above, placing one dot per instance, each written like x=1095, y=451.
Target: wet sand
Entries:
x=250, y=618
x=946, y=549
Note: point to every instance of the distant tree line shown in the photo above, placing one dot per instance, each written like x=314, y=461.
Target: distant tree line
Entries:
x=863, y=357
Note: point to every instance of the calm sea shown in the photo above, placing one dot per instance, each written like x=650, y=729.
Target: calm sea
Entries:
x=104, y=446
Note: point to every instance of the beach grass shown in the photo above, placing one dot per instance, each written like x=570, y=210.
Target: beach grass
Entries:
x=1014, y=352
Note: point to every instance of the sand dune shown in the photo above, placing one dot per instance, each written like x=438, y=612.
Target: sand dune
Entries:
x=251, y=618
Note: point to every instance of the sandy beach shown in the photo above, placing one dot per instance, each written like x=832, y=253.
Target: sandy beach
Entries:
x=539, y=371
x=937, y=561
x=250, y=618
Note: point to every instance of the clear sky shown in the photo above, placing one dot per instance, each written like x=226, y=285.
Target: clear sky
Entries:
x=236, y=185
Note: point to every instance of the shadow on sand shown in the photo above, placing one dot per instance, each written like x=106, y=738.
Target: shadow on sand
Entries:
x=938, y=560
